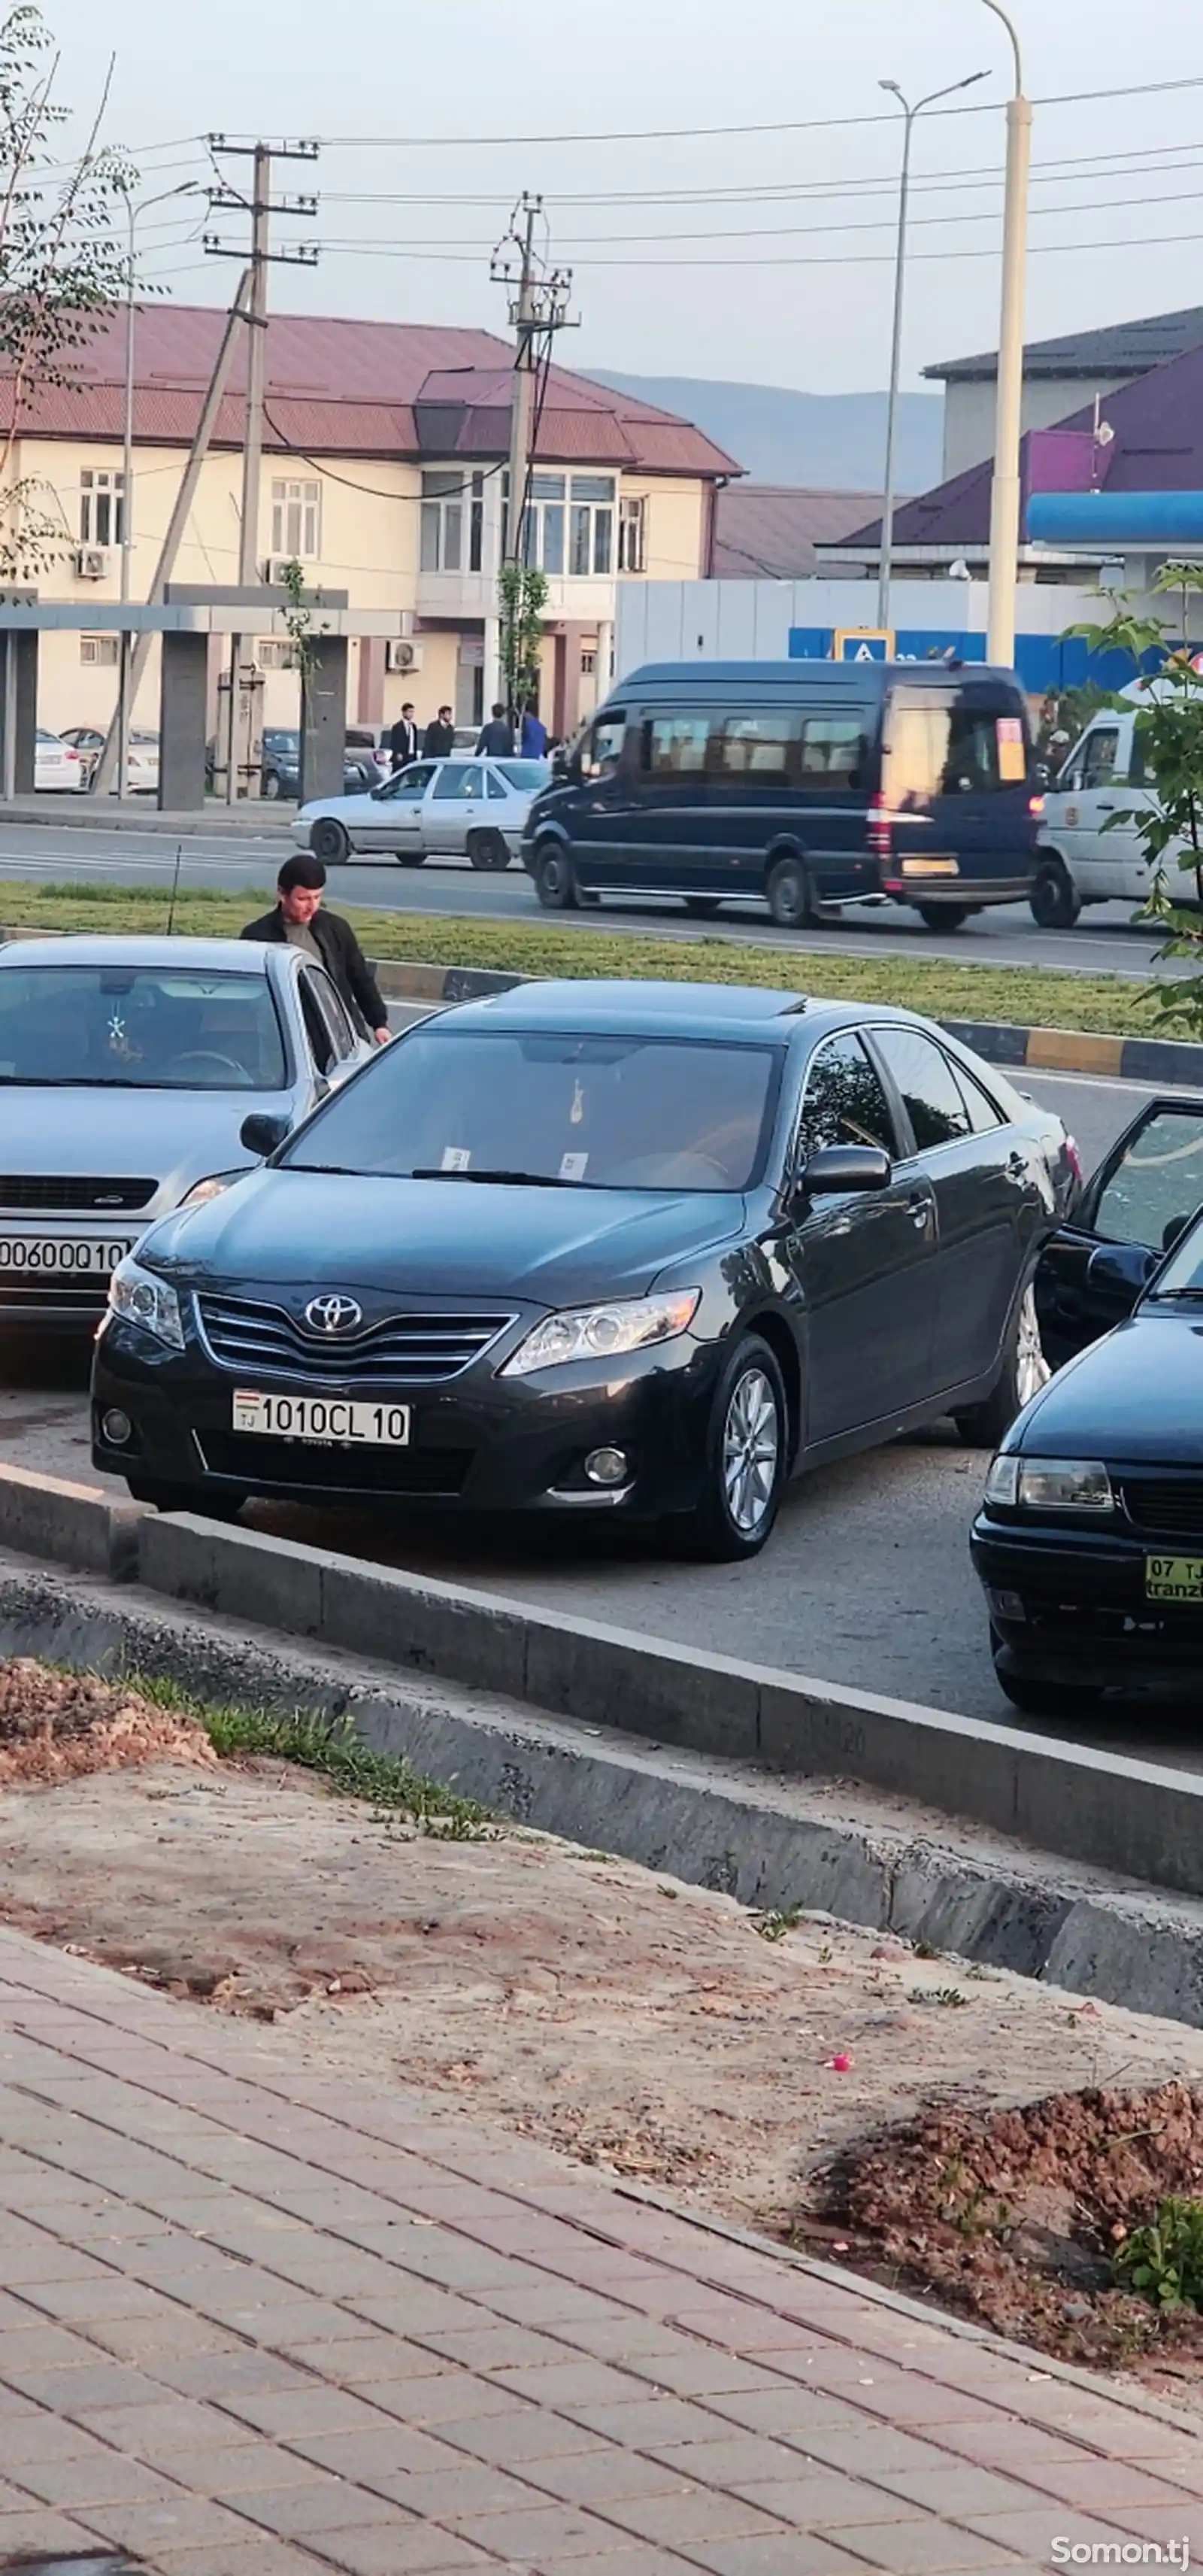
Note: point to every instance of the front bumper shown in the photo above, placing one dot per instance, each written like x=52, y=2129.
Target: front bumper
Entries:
x=1069, y=1605
x=480, y=1441
x=55, y=1272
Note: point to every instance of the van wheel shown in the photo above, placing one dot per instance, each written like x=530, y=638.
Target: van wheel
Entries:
x=702, y=906
x=555, y=878
x=791, y=895
x=488, y=850
x=945, y=916
x=1054, y=902
x=328, y=841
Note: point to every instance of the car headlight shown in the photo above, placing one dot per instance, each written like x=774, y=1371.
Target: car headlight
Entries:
x=210, y=1189
x=139, y=1297
x=1050, y=1484
x=603, y=1332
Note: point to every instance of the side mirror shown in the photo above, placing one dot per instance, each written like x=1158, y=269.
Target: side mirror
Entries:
x=260, y=1134
x=559, y=762
x=1173, y=1232
x=837, y=1168
x=1041, y=774
x=1117, y=1272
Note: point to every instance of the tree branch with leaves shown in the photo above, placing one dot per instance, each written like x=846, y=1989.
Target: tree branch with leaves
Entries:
x=523, y=593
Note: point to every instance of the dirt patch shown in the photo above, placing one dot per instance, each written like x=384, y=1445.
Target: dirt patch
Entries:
x=643, y=2027
x=60, y=1726
x=1015, y=2217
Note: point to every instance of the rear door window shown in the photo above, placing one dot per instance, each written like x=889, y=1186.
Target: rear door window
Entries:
x=931, y=1095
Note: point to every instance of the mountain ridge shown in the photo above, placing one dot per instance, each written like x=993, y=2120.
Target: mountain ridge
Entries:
x=778, y=434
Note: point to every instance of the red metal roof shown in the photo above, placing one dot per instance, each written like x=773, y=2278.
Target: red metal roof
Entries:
x=349, y=388
x=769, y=531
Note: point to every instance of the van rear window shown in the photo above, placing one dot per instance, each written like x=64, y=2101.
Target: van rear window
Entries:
x=966, y=747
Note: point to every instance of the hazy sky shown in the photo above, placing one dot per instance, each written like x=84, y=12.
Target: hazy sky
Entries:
x=803, y=302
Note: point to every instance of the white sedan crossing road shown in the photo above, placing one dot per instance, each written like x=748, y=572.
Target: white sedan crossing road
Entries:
x=472, y=809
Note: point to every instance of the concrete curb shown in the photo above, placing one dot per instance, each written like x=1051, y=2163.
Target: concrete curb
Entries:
x=86, y=814
x=1101, y=1810
x=889, y=1864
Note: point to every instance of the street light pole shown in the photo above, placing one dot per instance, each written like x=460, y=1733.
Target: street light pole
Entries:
x=1008, y=422
x=187, y=189
x=886, y=562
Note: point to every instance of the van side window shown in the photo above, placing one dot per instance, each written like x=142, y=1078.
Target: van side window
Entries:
x=602, y=748
x=675, y=746
x=1100, y=763
x=758, y=748
x=832, y=749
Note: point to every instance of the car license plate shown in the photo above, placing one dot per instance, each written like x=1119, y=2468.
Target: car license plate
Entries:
x=329, y=1418
x=1174, y=1578
x=44, y=1255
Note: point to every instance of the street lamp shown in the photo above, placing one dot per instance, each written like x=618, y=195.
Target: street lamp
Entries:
x=1008, y=418
x=887, y=516
x=187, y=188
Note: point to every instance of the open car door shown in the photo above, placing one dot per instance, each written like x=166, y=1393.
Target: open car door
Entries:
x=1131, y=1210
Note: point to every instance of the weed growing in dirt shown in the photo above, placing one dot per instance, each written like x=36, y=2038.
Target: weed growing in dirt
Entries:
x=949, y=1996
x=328, y=1745
x=1164, y=2259
x=774, y=1925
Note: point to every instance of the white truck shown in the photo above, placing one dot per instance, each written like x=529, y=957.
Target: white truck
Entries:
x=1081, y=861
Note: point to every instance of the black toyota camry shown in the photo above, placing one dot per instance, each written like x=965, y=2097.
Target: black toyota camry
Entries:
x=589, y=1247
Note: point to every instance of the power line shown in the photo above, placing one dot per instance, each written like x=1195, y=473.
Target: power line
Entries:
x=833, y=259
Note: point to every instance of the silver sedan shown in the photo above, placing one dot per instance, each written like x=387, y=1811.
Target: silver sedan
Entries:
x=130, y=1068
x=473, y=809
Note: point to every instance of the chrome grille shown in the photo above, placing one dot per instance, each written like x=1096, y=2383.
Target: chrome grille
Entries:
x=1165, y=1506
x=411, y=1350
x=74, y=1193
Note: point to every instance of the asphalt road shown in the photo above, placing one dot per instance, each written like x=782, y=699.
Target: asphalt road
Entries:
x=866, y=1581
x=1103, y=942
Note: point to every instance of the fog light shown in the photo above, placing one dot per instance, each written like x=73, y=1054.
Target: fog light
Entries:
x=606, y=1466
x=117, y=1427
x=1007, y=1605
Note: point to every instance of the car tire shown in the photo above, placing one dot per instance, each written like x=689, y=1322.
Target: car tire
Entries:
x=184, y=1498
x=555, y=878
x=790, y=894
x=328, y=841
x=1054, y=902
x=945, y=916
x=1034, y=1697
x=410, y=858
x=749, y=1422
x=1024, y=1371
x=271, y=785
x=488, y=850
x=702, y=906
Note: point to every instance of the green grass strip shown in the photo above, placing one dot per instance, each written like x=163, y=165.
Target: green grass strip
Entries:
x=1030, y=997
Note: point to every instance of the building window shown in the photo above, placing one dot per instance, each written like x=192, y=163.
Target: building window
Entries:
x=97, y=651
x=451, y=536
x=297, y=520
x=592, y=524
x=632, y=535
x=275, y=653
x=588, y=664
x=101, y=506
x=569, y=523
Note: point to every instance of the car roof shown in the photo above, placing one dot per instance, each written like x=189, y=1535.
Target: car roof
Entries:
x=88, y=948
x=636, y=1008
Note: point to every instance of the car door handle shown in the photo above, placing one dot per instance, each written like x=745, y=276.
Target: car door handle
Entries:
x=919, y=1208
x=1105, y=808
x=1017, y=1164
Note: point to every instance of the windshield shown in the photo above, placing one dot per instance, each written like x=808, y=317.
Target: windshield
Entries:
x=144, y=1028
x=628, y=1113
x=525, y=773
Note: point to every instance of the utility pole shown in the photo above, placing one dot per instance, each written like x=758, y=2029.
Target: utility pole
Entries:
x=538, y=309
x=1008, y=419
x=261, y=208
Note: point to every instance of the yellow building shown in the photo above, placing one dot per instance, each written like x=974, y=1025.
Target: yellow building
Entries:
x=384, y=475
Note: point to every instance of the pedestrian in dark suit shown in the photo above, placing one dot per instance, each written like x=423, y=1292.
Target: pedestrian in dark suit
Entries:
x=299, y=922
x=403, y=740
x=497, y=737
x=440, y=737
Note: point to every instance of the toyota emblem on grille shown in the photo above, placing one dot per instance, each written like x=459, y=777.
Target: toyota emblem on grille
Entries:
x=333, y=1314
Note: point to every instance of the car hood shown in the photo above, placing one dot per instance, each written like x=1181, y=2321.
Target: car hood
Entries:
x=174, y=1138
x=344, y=809
x=309, y=1230
x=1138, y=1394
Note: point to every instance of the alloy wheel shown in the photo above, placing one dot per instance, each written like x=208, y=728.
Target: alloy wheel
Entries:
x=751, y=1451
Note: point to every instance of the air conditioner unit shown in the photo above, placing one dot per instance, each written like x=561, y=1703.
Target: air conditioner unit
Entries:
x=91, y=562
x=401, y=655
x=276, y=568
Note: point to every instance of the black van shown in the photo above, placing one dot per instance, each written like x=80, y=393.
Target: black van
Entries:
x=799, y=783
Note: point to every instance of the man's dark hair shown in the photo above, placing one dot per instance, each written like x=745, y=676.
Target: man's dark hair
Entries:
x=498, y=710
x=303, y=870
x=444, y=711
x=408, y=708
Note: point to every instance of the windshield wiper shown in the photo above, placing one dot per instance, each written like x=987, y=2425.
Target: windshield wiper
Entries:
x=529, y=1180
x=1192, y=1296
x=73, y=1082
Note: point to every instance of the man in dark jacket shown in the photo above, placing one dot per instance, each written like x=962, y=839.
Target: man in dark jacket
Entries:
x=439, y=742
x=497, y=737
x=299, y=922
x=403, y=740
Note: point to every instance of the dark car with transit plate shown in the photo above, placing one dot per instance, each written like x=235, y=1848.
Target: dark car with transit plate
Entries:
x=615, y=1249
